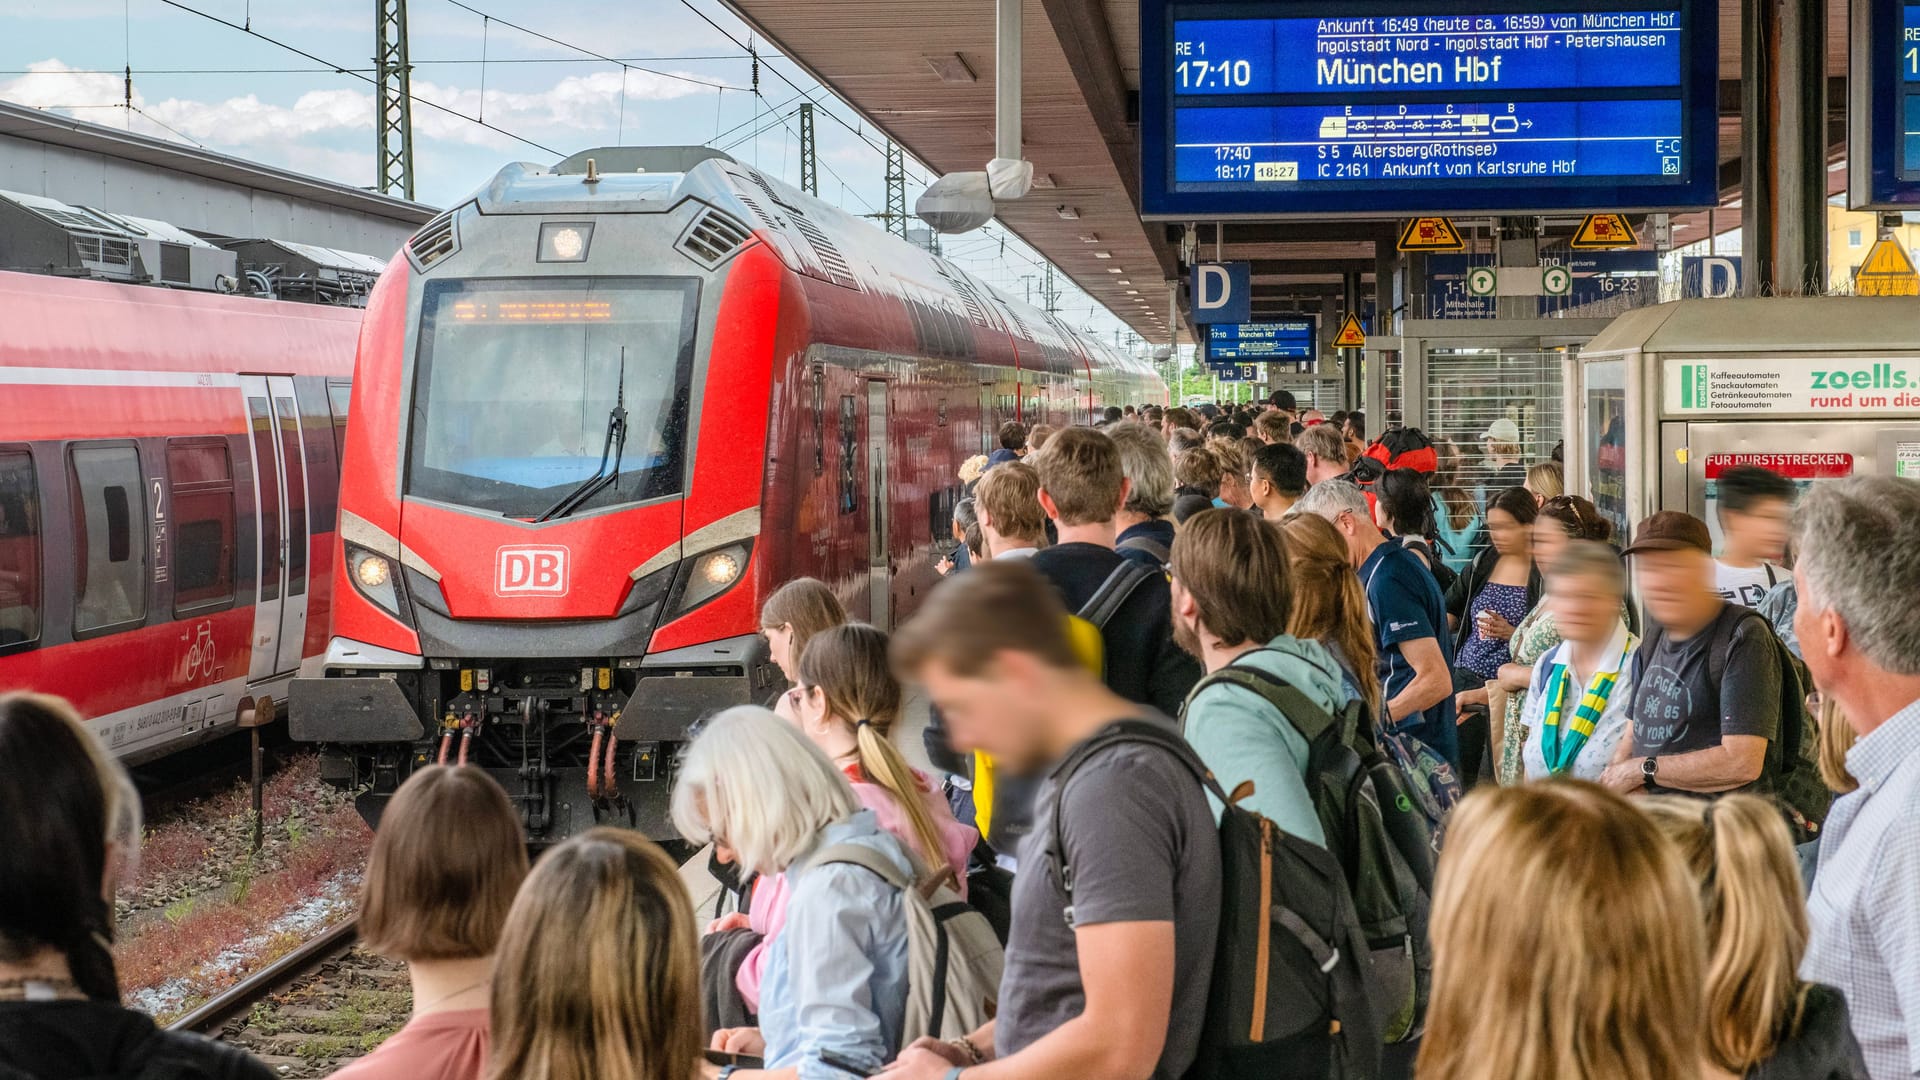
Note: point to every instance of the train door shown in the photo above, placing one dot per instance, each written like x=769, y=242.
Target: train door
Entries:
x=987, y=426
x=879, y=557
x=1806, y=452
x=281, y=539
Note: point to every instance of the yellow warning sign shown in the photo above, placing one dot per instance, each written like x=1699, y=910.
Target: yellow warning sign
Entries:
x=1602, y=231
x=1431, y=234
x=1887, y=272
x=1350, y=335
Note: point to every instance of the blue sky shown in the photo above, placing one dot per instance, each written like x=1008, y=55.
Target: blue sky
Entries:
x=683, y=82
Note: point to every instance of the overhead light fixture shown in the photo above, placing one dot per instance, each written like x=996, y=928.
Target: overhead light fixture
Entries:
x=1103, y=254
x=1068, y=213
x=1044, y=180
x=1123, y=281
x=1116, y=269
x=1133, y=292
x=952, y=68
x=1089, y=238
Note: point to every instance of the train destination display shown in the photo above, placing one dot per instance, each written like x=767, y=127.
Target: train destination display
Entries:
x=1884, y=140
x=1422, y=110
x=1285, y=339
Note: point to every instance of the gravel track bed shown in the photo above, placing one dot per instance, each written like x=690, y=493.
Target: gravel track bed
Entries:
x=327, y=1018
x=205, y=910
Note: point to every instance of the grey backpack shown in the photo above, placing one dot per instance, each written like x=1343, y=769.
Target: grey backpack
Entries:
x=953, y=957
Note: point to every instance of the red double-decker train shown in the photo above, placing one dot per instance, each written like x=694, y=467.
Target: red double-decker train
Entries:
x=600, y=411
x=168, y=473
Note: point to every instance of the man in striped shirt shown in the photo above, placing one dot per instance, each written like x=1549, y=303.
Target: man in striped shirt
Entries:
x=1859, y=630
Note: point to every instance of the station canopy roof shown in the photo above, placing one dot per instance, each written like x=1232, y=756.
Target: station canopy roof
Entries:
x=922, y=71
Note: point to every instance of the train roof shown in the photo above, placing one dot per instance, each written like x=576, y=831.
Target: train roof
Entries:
x=854, y=252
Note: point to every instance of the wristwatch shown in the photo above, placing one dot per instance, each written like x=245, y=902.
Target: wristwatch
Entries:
x=1649, y=765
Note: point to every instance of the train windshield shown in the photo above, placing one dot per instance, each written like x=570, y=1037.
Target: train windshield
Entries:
x=519, y=380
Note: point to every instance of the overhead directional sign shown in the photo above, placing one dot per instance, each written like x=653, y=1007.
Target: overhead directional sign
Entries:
x=1887, y=271
x=1237, y=372
x=1385, y=108
x=1465, y=286
x=1601, y=232
x=1222, y=292
x=1284, y=339
x=1883, y=151
x=1351, y=336
x=1431, y=234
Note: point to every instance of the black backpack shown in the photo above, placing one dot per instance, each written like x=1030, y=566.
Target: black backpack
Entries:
x=1289, y=998
x=1798, y=787
x=1376, y=830
x=1160, y=552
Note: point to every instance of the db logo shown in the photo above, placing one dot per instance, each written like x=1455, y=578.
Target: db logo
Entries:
x=531, y=571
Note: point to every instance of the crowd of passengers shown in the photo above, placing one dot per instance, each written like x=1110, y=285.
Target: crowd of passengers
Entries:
x=1672, y=780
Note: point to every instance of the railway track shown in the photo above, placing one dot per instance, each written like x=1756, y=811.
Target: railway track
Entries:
x=212, y=1015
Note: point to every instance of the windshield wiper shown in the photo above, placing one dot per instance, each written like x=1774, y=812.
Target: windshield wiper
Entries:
x=612, y=449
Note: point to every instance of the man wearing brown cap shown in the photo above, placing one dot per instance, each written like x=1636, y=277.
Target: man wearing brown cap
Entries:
x=1706, y=701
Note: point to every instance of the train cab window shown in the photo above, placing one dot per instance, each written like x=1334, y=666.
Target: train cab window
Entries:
x=200, y=475
x=19, y=550
x=110, y=527
x=518, y=382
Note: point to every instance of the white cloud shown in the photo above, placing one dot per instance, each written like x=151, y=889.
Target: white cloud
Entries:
x=575, y=103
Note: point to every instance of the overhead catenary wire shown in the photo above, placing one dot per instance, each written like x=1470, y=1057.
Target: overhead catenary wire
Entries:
x=778, y=74
x=169, y=127
x=836, y=117
x=583, y=50
x=588, y=56
x=630, y=61
x=362, y=77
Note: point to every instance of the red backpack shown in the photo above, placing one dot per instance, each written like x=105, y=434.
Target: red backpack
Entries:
x=1405, y=448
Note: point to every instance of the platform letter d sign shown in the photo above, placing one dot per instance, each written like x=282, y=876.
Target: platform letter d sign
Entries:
x=1222, y=292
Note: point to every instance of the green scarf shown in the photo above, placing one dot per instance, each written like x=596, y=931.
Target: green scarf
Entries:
x=1560, y=741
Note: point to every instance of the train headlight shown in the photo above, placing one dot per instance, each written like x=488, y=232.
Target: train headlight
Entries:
x=720, y=568
x=373, y=571
x=565, y=241
x=372, y=577
x=711, y=574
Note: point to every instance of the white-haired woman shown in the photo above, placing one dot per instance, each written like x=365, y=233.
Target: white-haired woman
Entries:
x=834, y=998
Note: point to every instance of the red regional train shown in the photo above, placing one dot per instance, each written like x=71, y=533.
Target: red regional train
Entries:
x=600, y=412
x=168, y=474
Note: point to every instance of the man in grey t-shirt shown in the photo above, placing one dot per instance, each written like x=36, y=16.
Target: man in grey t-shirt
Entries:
x=1144, y=849
x=1122, y=991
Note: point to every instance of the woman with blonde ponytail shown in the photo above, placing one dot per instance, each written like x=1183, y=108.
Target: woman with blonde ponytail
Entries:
x=846, y=701
x=849, y=703
x=1762, y=1022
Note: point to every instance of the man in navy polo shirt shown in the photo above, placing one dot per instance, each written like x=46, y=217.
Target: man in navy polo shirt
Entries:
x=1409, y=619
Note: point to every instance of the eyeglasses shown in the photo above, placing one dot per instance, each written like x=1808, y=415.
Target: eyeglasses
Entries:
x=1816, y=702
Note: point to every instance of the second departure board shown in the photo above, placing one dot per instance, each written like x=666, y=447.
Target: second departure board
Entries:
x=1883, y=151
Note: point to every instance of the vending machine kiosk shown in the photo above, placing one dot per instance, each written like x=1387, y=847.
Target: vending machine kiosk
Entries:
x=1668, y=397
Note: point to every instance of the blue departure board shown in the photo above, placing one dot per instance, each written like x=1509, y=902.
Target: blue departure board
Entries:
x=1385, y=109
x=1883, y=160
x=1285, y=339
